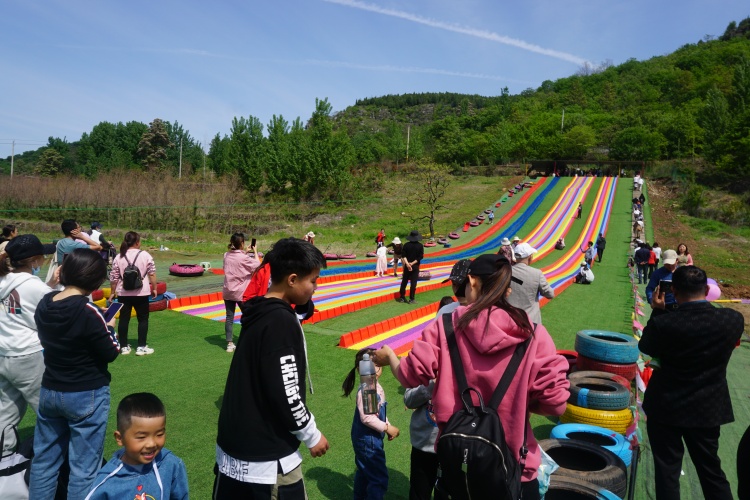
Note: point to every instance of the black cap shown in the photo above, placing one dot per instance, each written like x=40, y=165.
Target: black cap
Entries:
x=96, y=225
x=487, y=264
x=459, y=273
x=27, y=245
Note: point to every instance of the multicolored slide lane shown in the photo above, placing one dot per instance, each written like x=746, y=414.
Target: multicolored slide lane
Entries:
x=401, y=333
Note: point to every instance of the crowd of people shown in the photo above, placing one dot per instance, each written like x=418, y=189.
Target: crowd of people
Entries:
x=55, y=348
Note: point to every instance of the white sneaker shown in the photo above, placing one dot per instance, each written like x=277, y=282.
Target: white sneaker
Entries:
x=231, y=347
x=142, y=351
x=125, y=350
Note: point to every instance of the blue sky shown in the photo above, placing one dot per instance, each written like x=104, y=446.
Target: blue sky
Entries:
x=70, y=64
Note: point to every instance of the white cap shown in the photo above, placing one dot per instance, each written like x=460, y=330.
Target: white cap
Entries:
x=524, y=250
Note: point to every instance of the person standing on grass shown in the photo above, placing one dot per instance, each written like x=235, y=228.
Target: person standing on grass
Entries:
x=381, y=265
x=642, y=256
x=663, y=273
x=657, y=251
x=412, y=256
x=491, y=216
x=398, y=249
x=263, y=416
x=131, y=253
x=687, y=399
x=529, y=284
x=601, y=242
x=74, y=238
x=74, y=398
x=380, y=239
x=239, y=266
x=589, y=253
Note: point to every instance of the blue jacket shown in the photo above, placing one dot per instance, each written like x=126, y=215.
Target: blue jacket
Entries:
x=118, y=480
x=660, y=274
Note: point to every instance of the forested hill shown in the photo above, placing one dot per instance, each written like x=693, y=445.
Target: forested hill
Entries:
x=691, y=104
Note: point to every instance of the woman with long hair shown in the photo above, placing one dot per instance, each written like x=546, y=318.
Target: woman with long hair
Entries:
x=10, y=231
x=239, y=266
x=131, y=254
x=683, y=256
x=487, y=332
x=78, y=345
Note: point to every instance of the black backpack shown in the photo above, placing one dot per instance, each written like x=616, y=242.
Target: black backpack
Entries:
x=131, y=275
x=475, y=461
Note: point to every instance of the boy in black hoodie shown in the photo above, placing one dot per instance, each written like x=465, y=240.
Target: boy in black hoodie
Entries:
x=263, y=414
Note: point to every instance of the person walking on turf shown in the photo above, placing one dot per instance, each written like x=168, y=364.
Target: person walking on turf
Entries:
x=601, y=242
x=412, y=256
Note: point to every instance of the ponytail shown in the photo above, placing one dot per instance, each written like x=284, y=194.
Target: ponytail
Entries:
x=236, y=241
x=131, y=238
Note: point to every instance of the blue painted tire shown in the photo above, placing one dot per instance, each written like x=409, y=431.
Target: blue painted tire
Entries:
x=610, y=347
x=607, y=439
x=562, y=487
x=598, y=394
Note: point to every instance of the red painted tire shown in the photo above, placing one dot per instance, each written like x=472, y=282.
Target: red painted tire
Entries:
x=158, y=305
x=572, y=358
x=627, y=370
x=186, y=270
x=487, y=211
x=473, y=223
x=430, y=244
x=371, y=254
x=347, y=256
x=161, y=287
x=330, y=256
x=480, y=217
x=97, y=295
x=454, y=236
x=498, y=204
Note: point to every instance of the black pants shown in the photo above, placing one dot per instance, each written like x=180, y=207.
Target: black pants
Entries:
x=227, y=488
x=702, y=443
x=743, y=467
x=599, y=253
x=412, y=276
x=140, y=304
x=422, y=475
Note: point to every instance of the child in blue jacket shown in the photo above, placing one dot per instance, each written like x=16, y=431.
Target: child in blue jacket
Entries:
x=143, y=469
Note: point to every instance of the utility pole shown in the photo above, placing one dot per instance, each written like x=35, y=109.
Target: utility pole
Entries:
x=408, y=135
x=204, y=161
x=12, y=155
x=562, y=123
x=179, y=175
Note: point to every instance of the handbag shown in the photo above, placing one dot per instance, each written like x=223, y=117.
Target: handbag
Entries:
x=14, y=468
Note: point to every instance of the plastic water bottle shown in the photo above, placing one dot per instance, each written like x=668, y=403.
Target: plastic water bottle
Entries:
x=369, y=385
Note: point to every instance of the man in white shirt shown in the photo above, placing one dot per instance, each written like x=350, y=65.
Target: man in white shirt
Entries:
x=585, y=276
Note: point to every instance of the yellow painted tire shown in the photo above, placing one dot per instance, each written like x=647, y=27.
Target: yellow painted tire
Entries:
x=106, y=292
x=617, y=421
x=101, y=302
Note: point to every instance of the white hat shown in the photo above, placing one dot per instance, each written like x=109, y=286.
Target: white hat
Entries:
x=396, y=241
x=311, y=235
x=524, y=250
x=516, y=238
x=505, y=242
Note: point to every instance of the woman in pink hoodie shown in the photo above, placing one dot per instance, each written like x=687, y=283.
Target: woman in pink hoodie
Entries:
x=487, y=332
x=239, y=267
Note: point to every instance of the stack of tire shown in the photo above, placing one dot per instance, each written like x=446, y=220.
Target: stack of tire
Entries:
x=584, y=471
x=600, y=388
x=158, y=303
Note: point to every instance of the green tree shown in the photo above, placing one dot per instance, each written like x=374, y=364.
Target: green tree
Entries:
x=330, y=154
x=577, y=141
x=50, y=162
x=298, y=170
x=152, y=148
x=277, y=154
x=714, y=119
x=218, y=155
x=637, y=143
x=246, y=151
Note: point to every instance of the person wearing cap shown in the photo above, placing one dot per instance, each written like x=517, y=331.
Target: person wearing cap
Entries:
x=526, y=295
x=398, y=249
x=412, y=256
x=458, y=278
x=487, y=334
x=21, y=359
x=506, y=250
x=687, y=399
x=585, y=275
x=669, y=259
x=74, y=238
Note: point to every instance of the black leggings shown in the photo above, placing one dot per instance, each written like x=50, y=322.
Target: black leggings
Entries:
x=140, y=304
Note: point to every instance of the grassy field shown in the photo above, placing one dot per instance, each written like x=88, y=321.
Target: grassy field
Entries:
x=188, y=369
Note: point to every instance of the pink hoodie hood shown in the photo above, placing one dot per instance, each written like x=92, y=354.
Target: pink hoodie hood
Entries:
x=540, y=385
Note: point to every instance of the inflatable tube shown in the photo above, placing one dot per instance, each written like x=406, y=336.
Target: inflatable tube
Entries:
x=498, y=204
x=473, y=223
x=347, y=256
x=159, y=305
x=626, y=370
x=186, y=270
x=480, y=217
x=371, y=254
x=589, y=462
x=617, y=421
x=572, y=358
x=161, y=287
x=466, y=227
x=602, y=375
x=612, y=441
x=454, y=236
x=610, y=347
x=424, y=276
x=442, y=241
x=487, y=211
x=565, y=488
x=430, y=244
x=330, y=256
x=598, y=394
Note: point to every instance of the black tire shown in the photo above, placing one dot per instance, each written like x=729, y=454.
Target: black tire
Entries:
x=569, y=488
x=588, y=462
x=599, y=374
x=598, y=394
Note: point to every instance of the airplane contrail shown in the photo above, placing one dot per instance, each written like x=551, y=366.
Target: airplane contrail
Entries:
x=486, y=35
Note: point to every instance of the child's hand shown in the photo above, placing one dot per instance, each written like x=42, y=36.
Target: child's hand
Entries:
x=321, y=448
x=393, y=432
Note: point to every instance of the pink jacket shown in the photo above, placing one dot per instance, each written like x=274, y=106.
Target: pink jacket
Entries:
x=540, y=384
x=145, y=264
x=238, y=266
